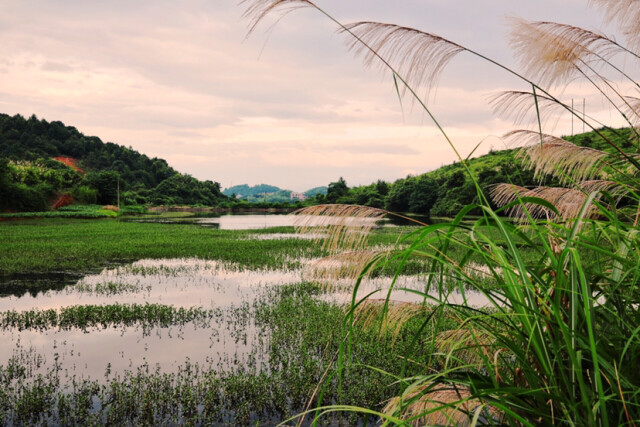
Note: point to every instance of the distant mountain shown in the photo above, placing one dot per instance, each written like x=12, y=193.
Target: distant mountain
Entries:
x=29, y=177
x=267, y=193
x=244, y=191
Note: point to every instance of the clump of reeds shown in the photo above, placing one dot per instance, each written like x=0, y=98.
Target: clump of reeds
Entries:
x=442, y=405
x=559, y=340
x=346, y=227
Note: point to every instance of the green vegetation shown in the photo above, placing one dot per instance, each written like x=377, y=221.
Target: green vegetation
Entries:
x=60, y=245
x=244, y=191
x=305, y=336
x=88, y=316
x=71, y=211
x=30, y=179
x=264, y=194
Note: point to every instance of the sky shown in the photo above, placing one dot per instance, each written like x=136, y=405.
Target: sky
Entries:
x=288, y=105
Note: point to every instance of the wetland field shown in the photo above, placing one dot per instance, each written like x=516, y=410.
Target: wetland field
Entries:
x=114, y=322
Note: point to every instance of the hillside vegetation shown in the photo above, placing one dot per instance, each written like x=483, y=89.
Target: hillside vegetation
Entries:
x=446, y=190
x=30, y=179
x=262, y=193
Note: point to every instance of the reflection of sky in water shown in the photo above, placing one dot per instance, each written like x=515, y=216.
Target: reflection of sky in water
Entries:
x=253, y=222
x=224, y=342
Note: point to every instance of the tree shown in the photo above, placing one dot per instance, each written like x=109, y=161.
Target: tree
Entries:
x=336, y=190
x=399, y=195
x=424, y=195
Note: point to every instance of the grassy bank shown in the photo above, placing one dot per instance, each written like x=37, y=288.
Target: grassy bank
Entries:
x=38, y=246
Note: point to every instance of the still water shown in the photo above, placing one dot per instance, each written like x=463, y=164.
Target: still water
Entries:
x=227, y=339
x=252, y=221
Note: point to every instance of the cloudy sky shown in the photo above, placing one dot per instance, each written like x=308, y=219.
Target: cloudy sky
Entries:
x=288, y=106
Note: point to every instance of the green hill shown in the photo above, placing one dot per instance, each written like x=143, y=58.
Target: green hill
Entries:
x=30, y=179
x=267, y=193
x=244, y=191
x=444, y=191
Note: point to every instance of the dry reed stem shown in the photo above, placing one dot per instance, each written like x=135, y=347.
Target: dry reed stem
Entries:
x=417, y=56
x=549, y=155
x=627, y=14
x=439, y=404
x=345, y=227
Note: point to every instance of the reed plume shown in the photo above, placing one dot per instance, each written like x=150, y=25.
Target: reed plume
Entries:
x=553, y=54
x=568, y=201
x=342, y=266
x=345, y=227
x=466, y=346
x=417, y=56
x=388, y=316
x=520, y=107
x=440, y=404
x=549, y=155
x=627, y=15
x=633, y=109
x=257, y=10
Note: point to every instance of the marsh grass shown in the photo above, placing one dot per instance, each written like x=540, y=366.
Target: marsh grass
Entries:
x=89, y=316
x=298, y=330
x=58, y=245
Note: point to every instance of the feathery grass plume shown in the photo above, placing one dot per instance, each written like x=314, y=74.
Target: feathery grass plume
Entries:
x=417, y=56
x=627, y=14
x=257, y=10
x=503, y=194
x=598, y=44
x=549, y=155
x=614, y=188
x=441, y=405
x=632, y=108
x=345, y=227
x=551, y=56
x=343, y=266
x=371, y=314
x=520, y=107
x=568, y=201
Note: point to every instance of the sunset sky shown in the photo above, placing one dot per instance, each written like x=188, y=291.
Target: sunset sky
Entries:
x=288, y=106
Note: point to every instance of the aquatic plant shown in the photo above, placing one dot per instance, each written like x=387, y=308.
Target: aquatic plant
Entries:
x=87, y=316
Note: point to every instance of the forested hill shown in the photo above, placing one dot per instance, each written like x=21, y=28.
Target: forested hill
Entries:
x=269, y=193
x=27, y=171
x=446, y=190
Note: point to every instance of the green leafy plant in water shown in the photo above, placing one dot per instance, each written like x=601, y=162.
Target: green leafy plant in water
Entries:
x=558, y=342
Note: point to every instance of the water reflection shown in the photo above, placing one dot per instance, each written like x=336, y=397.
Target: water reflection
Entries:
x=229, y=339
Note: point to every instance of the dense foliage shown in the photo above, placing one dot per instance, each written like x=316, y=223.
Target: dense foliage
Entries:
x=30, y=179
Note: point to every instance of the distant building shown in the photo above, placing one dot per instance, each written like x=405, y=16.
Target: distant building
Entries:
x=300, y=196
